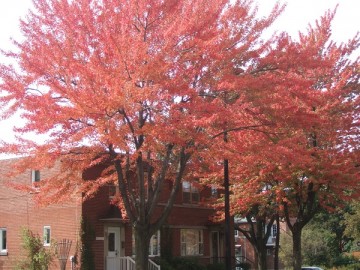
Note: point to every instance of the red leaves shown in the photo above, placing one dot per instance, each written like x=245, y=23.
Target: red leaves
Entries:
x=138, y=76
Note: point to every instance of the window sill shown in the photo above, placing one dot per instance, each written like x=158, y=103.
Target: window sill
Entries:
x=3, y=253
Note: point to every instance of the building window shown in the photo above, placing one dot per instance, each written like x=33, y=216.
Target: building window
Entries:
x=154, y=248
x=192, y=243
x=47, y=235
x=3, y=244
x=35, y=176
x=214, y=191
x=274, y=230
x=190, y=193
x=113, y=191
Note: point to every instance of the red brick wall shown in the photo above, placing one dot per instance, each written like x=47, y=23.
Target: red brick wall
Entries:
x=95, y=210
x=17, y=211
x=64, y=220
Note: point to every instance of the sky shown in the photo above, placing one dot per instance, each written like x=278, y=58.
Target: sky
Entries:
x=296, y=17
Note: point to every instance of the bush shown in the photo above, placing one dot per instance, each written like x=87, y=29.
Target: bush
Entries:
x=344, y=260
x=37, y=256
x=355, y=266
x=216, y=266
x=179, y=263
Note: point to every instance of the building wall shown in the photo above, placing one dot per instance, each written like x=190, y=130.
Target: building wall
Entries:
x=94, y=211
x=18, y=211
x=98, y=212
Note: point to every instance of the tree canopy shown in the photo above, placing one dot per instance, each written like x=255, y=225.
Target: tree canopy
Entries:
x=154, y=86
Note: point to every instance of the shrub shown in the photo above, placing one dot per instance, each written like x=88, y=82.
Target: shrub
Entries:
x=37, y=256
x=179, y=263
x=216, y=266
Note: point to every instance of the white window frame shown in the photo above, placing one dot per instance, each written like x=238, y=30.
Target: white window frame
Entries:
x=3, y=242
x=194, y=246
x=47, y=236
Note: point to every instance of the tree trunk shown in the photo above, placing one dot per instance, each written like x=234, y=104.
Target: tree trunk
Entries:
x=227, y=217
x=277, y=244
x=296, y=237
x=142, y=243
x=261, y=241
x=140, y=208
x=261, y=262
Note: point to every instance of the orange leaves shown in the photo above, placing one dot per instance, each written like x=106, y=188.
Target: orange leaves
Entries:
x=130, y=77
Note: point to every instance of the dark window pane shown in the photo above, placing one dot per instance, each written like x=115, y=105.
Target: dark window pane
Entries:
x=111, y=242
x=3, y=239
x=186, y=197
x=37, y=176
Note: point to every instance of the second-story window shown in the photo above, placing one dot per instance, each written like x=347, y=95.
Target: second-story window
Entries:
x=214, y=191
x=113, y=191
x=35, y=176
x=190, y=193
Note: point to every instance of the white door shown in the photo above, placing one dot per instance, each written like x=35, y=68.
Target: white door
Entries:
x=113, y=249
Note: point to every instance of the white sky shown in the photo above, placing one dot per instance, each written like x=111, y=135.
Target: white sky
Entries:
x=296, y=17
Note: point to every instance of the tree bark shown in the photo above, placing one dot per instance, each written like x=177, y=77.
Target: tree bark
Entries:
x=261, y=240
x=140, y=207
x=277, y=244
x=296, y=237
x=261, y=257
x=142, y=243
x=227, y=217
x=258, y=234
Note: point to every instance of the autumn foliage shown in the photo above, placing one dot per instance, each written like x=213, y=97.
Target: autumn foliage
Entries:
x=154, y=86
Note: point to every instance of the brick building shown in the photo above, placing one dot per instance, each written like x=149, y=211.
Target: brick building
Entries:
x=95, y=226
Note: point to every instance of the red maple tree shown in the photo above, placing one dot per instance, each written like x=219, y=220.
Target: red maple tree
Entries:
x=135, y=84
x=309, y=159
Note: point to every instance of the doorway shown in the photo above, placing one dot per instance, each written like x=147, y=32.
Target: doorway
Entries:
x=113, y=248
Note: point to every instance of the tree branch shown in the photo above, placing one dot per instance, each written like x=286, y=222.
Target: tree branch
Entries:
x=183, y=159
